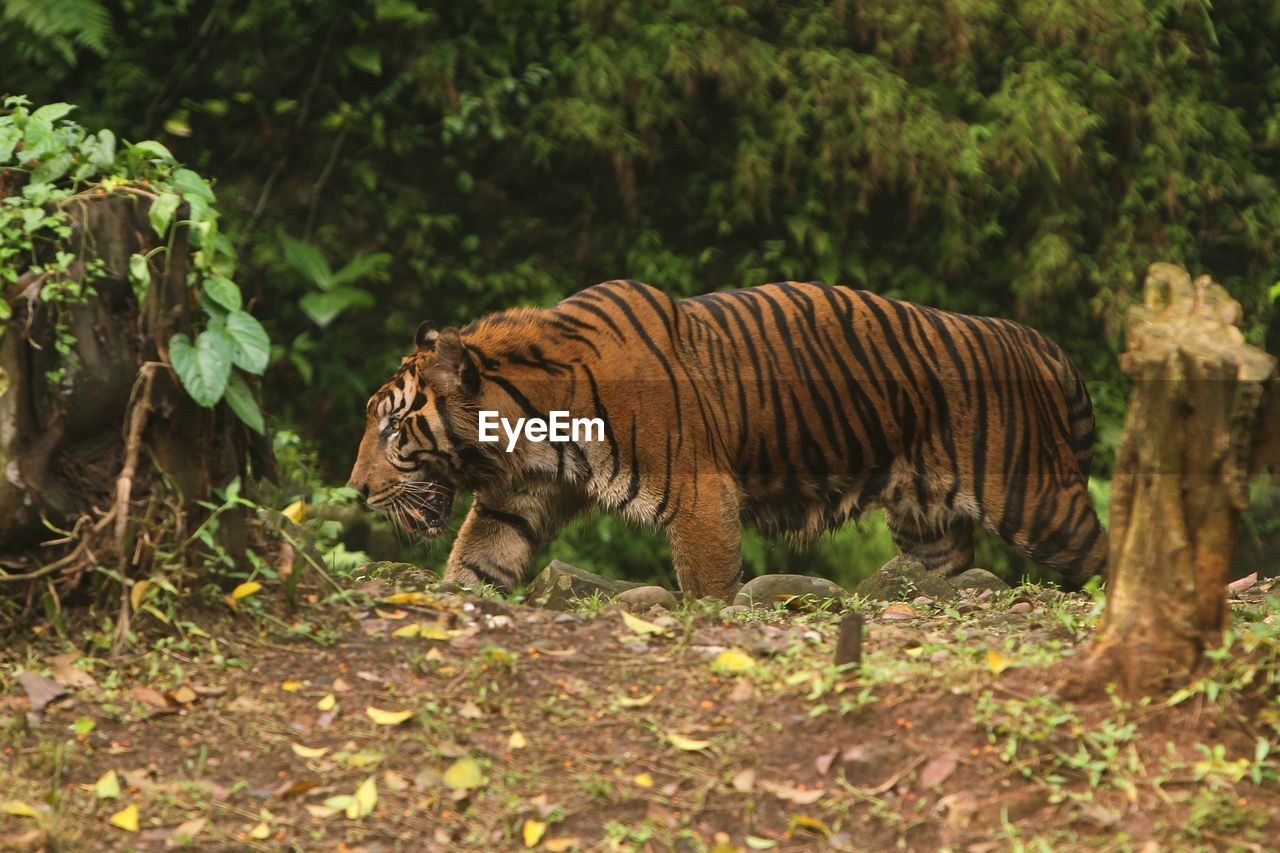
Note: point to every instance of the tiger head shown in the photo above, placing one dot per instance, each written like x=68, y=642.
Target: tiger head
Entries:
x=419, y=435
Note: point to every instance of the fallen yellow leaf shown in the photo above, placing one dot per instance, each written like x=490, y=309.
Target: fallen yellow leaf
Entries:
x=366, y=797
x=328, y=702
x=463, y=774
x=644, y=780
x=291, y=685
x=637, y=701
x=641, y=626
x=261, y=832
x=387, y=718
x=138, y=593
x=295, y=511
x=517, y=741
x=687, y=743
x=108, y=786
x=432, y=632
x=417, y=599
x=733, y=661
x=997, y=662
x=17, y=808
x=410, y=630
x=126, y=819
x=308, y=751
x=245, y=590
x=533, y=832
x=561, y=844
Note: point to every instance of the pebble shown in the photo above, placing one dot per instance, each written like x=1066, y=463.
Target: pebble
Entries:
x=898, y=613
x=734, y=610
x=1021, y=607
x=644, y=597
x=669, y=623
x=567, y=619
x=922, y=601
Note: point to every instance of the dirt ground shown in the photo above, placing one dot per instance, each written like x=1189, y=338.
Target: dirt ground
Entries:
x=432, y=721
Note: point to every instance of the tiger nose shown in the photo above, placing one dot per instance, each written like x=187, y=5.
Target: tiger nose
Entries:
x=360, y=486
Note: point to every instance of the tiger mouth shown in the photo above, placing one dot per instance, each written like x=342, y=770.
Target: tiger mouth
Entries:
x=423, y=509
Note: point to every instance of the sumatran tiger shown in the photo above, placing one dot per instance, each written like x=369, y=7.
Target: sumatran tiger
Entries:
x=791, y=406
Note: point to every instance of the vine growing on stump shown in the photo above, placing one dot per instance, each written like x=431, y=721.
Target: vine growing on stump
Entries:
x=127, y=361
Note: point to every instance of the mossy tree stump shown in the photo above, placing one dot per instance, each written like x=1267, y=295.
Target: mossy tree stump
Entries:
x=1181, y=480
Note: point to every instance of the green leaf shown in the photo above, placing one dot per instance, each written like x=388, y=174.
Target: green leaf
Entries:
x=102, y=152
x=1275, y=291
x=139, y=276
x=307, y=260
x=240, y=398
x=161, y=213
x=149, y=148
x=361, y=267
x=223, y=291
x=52, y=112
x=6, y=310
x=323, y=308
x=9, y=137
x=204, y=368
x=365, y=57
x=252, y=346
x=191, y=184
x=52, y=169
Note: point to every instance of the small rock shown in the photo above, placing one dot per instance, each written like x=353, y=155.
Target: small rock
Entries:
x=979, y=579
x=559, y=584
x=1021, y=607
x=734, y=610
x=902, y=579
x=767, y=589
x=898, y=613
x=644, y=597
x=922, y=601
x=668, y=623
x=566, y=619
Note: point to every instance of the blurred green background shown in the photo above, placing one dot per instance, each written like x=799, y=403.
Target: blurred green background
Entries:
x=380, y=163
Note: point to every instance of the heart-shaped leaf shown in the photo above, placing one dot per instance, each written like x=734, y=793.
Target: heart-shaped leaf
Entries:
x=252, y=347
x=205, y=367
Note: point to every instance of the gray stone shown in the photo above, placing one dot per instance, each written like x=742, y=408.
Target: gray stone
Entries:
x=668, y=623
x=644, y=597
x=979, y=579
x=559, y=584
x=734, y=610
x=765, y=590
x=1021, y=607
x=902, y=579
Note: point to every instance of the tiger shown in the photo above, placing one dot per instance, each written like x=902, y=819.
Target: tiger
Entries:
x=794, y=407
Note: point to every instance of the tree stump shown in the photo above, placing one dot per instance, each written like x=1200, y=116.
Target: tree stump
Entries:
x=1181, y=480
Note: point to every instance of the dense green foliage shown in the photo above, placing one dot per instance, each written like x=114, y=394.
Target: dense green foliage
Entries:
x=57, y=163
x=1024, y=159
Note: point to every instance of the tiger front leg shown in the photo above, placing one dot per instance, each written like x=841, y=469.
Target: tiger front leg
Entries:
x=706, y=539
x=503, y=530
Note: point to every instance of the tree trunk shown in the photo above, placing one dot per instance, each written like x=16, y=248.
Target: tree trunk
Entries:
x=1181, y=480
x=88, y=452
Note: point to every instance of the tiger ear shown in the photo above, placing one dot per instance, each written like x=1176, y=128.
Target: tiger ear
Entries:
x=455, y=369
x=426, y=336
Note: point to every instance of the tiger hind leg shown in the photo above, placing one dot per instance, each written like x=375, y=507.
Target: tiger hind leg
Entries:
x=946, y=548
x=1061, y=531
